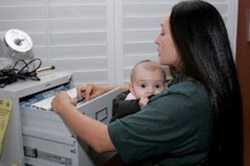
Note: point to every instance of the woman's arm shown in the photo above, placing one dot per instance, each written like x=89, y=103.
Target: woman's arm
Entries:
x=90, y=91
x=93, y=132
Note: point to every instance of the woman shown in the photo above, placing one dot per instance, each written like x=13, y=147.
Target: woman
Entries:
x=197, y=120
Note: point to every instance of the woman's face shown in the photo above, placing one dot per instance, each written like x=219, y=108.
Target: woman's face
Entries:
x=166, y=48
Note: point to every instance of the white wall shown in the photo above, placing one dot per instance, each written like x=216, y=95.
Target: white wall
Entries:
x=97, y=40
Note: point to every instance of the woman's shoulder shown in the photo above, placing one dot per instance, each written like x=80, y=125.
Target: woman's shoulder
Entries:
x=190, y=93
x=187, y=87
x=187, y=98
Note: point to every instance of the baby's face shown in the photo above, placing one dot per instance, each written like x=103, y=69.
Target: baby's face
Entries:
x=147, y=83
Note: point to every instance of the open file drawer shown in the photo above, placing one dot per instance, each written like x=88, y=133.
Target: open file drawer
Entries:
x=40, y=138
x=48, y=141
x=18, y=92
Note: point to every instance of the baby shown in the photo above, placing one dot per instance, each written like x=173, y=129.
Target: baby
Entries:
x=147, y=79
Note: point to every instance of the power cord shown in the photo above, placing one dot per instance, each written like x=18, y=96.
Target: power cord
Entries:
x=8, y=76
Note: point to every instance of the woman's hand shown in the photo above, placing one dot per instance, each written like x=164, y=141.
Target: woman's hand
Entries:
x=62, y=102
x=90, y=91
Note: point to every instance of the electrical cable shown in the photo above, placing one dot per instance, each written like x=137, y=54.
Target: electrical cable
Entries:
x=8, y=76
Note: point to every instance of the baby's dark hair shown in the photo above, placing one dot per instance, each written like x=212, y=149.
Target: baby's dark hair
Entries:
x=148, y=65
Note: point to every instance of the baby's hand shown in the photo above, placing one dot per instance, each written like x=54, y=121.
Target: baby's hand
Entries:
x=143, y=101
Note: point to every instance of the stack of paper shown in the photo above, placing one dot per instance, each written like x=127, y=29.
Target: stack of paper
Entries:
x=45, y=104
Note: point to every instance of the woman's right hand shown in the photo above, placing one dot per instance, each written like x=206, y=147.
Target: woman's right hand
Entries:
x=90, y=91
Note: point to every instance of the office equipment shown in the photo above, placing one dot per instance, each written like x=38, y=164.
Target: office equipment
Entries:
x=16, y=58
x=15, y=44
x=37, y=136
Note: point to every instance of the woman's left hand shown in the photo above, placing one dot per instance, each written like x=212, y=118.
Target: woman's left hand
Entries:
x=61, y=102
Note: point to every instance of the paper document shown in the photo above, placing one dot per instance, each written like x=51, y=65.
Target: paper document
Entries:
x=45, y=104
x=5, y=108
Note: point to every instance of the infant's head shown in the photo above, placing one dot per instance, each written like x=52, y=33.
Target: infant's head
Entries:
x=147, y=79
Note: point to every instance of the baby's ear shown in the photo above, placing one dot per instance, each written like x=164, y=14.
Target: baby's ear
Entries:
x=131, y=89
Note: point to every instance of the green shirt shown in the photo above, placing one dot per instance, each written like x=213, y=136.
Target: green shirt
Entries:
x=175, y=127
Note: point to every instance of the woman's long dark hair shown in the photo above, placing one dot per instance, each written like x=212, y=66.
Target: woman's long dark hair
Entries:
x=201, y=38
